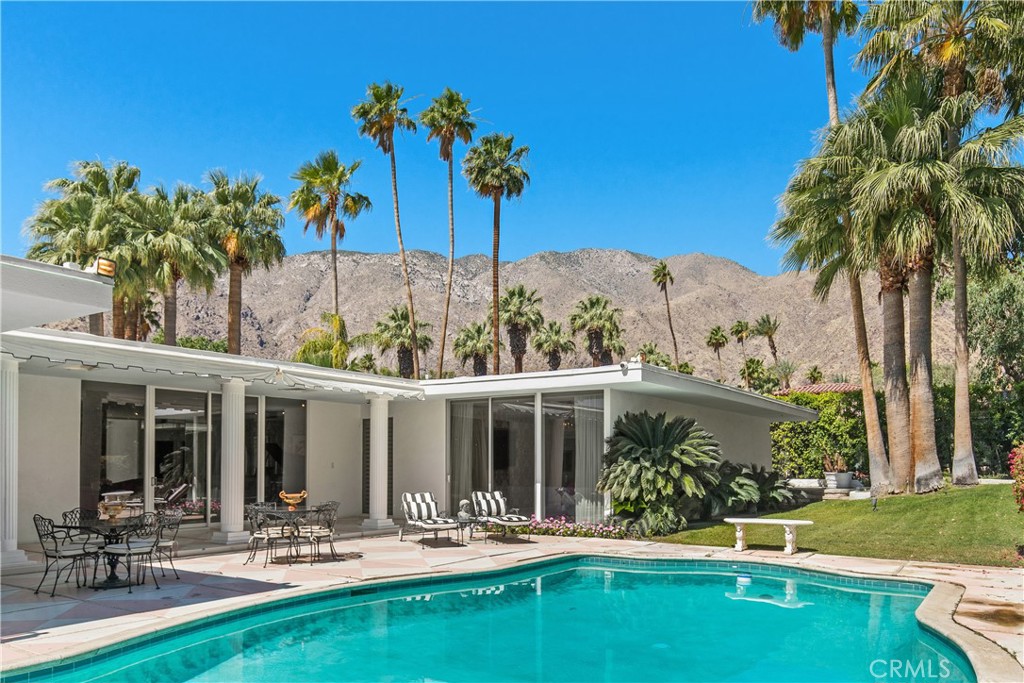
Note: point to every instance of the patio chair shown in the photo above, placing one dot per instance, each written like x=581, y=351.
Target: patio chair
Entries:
x=272, y=529
x=321, y=529
x=421, y=514
x=170, y=522
x=171, y=498
x=59, y=546
x=82, y=516
x=492, y=509
x=138, y=548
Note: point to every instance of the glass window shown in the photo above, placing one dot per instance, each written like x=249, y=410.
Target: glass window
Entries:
x=285, y=447
x=468, y=454
x=573, y=436
x=180, y=423
x=513, y=450
x=112, y=453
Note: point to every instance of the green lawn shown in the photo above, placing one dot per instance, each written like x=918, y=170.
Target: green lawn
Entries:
x=978, y=525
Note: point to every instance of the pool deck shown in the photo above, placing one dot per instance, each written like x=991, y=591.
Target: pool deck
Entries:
x=37, y=628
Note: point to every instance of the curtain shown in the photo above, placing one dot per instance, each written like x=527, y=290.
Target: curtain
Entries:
x=589, y=418
x=461, y=452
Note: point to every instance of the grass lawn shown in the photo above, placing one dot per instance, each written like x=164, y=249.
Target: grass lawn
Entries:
x=979, y=525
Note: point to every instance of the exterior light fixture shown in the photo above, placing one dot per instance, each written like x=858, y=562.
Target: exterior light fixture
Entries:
x=102, y=266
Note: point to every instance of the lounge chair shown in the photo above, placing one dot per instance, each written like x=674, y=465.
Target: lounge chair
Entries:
x=172, y=498
x=492, y=509
x=421, y=514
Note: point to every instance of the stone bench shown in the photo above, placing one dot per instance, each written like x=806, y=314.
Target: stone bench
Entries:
x=789, y=525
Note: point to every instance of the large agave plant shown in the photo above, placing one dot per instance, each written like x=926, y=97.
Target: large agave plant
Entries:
x=654, y=465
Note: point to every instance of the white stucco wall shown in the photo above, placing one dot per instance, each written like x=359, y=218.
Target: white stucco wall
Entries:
x=49, y=434
x=420, y=460
x=334, y=454
x=744, y=439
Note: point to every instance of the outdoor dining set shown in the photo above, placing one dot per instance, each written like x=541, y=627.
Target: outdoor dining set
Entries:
x=288, y=528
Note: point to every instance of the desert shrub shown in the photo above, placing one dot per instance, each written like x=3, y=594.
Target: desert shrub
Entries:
x=654, y=467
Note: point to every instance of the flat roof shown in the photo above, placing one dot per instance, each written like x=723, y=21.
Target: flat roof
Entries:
x=35, y=293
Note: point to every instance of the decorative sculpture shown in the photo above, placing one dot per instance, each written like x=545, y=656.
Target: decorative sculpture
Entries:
x=292, y=499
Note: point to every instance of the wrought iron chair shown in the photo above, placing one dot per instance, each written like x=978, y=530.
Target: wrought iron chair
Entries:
x=421, y=514
x=322, y=529
x=81, y=516
x=59, y=546
x=139, y=547
x=492, y=510
x=170, y=522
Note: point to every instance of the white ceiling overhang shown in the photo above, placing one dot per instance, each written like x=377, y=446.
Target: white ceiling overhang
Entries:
x=33, y=293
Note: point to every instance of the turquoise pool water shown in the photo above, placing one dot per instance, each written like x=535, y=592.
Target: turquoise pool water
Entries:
x=578, y=619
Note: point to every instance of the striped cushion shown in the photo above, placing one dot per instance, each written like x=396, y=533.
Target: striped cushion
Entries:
x=489, y=504
x=438, y=522
x=420, y=506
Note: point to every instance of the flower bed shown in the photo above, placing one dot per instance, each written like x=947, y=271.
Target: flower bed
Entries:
x=560, y=526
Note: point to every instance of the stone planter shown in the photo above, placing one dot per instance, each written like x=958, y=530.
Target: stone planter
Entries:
x=804, y=483
x=838, y=480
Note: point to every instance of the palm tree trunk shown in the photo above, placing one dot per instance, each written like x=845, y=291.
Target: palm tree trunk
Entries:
x=595, y=346
x=878, y=462
x=235, y=308
x=451, y=265
x=334, y=265
x=494, y=283
x=671, y=330
x=554, y=360
x=131, y=322
x=721, y=368
x=171, y=314
x=927, y=471
x=96, y=324
x=775, y=351
x=827, y=43
x=405, y=269
x=117, y=316
x=965, y=471
x=897, y=396
x=479, y=366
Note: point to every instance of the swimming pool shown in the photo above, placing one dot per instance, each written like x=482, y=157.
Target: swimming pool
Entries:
x=570, y=619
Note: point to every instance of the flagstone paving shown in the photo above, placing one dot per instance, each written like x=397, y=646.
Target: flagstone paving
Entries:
x=35, y=628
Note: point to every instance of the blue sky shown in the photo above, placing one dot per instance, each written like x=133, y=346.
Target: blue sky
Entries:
x=661, y=128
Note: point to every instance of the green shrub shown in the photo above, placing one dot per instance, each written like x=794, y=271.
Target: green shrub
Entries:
x=798, y=448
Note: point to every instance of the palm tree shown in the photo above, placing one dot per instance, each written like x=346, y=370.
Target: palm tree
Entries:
x=752, y=372
x=594, y=315
x=248, y=221
x=448, y=119
x=814, y=375
x=767, y=327
x=323, y=201
x=326, y=346
x=494, y=169
x=109, y=187
x=662, y=277
x=474, y=342
x=553, y=343
x=651, y=354
x=394, y=331
x=741, y=332
x=614, y=345
x=174, y=236
x=519, y=312
x=364, y=363
x=794, y=19
x=379, y=116
x=716, y=341
x=784, y=370
x=971, y=44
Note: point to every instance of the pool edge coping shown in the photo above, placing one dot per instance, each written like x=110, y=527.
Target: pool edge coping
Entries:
x=991, y=662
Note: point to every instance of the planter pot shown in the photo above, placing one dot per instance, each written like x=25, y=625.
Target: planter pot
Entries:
x=838, y=480
x=804, y=483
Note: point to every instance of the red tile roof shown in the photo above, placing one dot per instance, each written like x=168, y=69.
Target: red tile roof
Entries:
x=827, y=388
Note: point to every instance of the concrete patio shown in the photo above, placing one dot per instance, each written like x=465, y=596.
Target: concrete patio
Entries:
x=37, y=628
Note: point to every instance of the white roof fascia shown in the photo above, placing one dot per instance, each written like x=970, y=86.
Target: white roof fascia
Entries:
x=35, y=293
x=86, y=349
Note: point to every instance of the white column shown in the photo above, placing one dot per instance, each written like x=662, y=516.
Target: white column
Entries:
x=609, y=427
x=232, y=463
x=10, y=555
x=538, y=456
x=378, y=465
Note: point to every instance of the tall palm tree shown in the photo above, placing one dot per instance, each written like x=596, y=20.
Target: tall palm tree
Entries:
x=614, y=344
x=972, y=45
x=248, y=221
x=662, y=277
x=394, y=331
x=473, y=342
x=553, y=343
x=741, y=332
x=794, y=19
x=716, y=341
x=494, y=169
x=379, y=116
x=324, y=202
x=326, y=346
x=768, y=327
x=752, y=371
x=175, y=239
x=110, y=187
x=519, y=312
x=448, y=119
x=594, y=315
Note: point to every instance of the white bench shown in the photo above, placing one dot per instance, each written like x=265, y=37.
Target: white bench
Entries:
x=789, y=525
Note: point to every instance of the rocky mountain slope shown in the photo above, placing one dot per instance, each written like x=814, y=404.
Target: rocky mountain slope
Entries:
x=279, y=304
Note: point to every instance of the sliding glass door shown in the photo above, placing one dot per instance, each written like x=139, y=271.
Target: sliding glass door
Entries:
x=181, y=452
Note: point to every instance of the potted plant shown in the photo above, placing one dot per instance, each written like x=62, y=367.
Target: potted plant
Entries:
x=836, y=474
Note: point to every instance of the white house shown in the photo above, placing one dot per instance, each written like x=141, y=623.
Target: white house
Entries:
x=84, y=414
